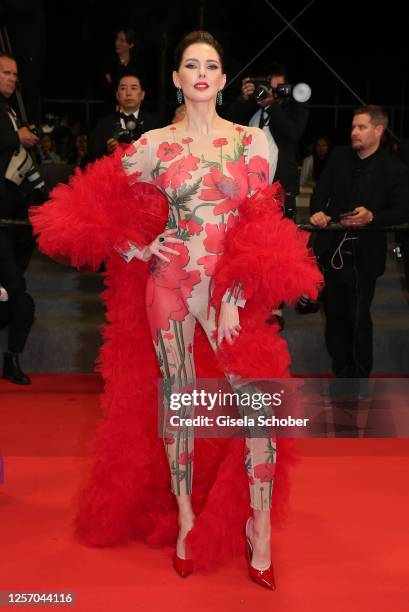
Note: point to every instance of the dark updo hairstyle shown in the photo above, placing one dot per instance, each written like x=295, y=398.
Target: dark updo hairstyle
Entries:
x=199, y=36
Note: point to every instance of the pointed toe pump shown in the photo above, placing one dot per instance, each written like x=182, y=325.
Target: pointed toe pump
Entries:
x=263, y=577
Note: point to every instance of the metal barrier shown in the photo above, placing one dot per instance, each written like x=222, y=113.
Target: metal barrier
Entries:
x=337, y=227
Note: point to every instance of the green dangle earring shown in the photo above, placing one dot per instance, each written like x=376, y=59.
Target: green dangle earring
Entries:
x=219, y=98
x=179, y=96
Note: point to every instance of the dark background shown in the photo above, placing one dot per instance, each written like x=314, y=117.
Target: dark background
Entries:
x=363, y=43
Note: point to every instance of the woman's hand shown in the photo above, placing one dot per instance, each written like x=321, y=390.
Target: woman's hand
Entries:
x=229, y=323
x=157, y=246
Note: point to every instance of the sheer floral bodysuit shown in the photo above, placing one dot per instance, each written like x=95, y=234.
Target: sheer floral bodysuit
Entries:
x=205, y=178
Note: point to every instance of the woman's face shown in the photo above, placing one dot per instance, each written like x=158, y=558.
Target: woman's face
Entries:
x=121, y=45
x=200, y=74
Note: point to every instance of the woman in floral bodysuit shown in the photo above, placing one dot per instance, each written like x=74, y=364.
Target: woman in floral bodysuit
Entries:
x=206, y=166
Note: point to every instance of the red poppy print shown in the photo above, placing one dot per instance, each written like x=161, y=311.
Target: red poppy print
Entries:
x=264, y=472
x=135, y=175
x=168, y=336
x=167, y=152
x=182, y=458
x=178, y=172
x=258, y=172
x=230, y=190
x=220, y=142
x=213, y=243
x=129, y=162
x=239, y=129
x=143, y=141
x=130, y=149
x=169, y=286
x=189, y=224
x=247, y=139
x=187, y=140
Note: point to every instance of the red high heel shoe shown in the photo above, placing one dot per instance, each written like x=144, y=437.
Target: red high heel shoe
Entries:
x=183, y=567
x=265, y=577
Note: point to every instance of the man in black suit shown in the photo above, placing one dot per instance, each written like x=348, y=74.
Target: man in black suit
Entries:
x=14, y=140
x=284, y=121
x=16, y=312
x=362, y=185
x=111, y=129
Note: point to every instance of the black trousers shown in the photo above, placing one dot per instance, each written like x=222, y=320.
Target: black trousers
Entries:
x=13, y=206
x=290, y=206
x=347, y=302
x=403, y=239
x=18, y=314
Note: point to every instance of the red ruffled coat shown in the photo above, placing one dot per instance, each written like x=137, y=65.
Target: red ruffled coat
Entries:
x=127, y=494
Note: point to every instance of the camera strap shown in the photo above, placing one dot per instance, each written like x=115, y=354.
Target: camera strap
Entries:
x=13, y=117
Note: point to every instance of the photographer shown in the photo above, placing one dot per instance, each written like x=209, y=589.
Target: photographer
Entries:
x=128, y=124
x=284, y=121
x=18, y=177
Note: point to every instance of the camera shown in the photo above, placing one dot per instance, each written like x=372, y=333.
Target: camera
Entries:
x=283, y=91
x=132, y=131
x=300, y=92
x=262, y=88
x=21, y=166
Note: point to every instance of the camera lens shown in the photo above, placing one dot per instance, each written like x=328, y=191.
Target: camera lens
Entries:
x=261, y=93
x=283, y=91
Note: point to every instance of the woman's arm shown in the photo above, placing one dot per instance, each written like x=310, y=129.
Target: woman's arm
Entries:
x=101, y=207
x=258, y=158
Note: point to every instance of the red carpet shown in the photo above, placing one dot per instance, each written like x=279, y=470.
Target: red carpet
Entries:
x=345, y=546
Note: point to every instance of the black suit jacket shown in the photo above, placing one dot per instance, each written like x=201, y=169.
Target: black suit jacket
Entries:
x=9, y=142
x=10, y=276
x=103, y=131
x=287, y=123
x=383, y=189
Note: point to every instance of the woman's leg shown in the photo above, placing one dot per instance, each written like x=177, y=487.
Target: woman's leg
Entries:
x=173, y=348
x=260, y=460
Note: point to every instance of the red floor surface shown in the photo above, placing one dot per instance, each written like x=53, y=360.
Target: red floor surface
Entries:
x=344, y=548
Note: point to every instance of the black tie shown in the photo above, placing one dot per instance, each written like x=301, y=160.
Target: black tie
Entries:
x=263, y=118
x=127, y=118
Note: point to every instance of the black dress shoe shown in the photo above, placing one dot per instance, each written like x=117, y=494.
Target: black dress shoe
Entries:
x=12, y=370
